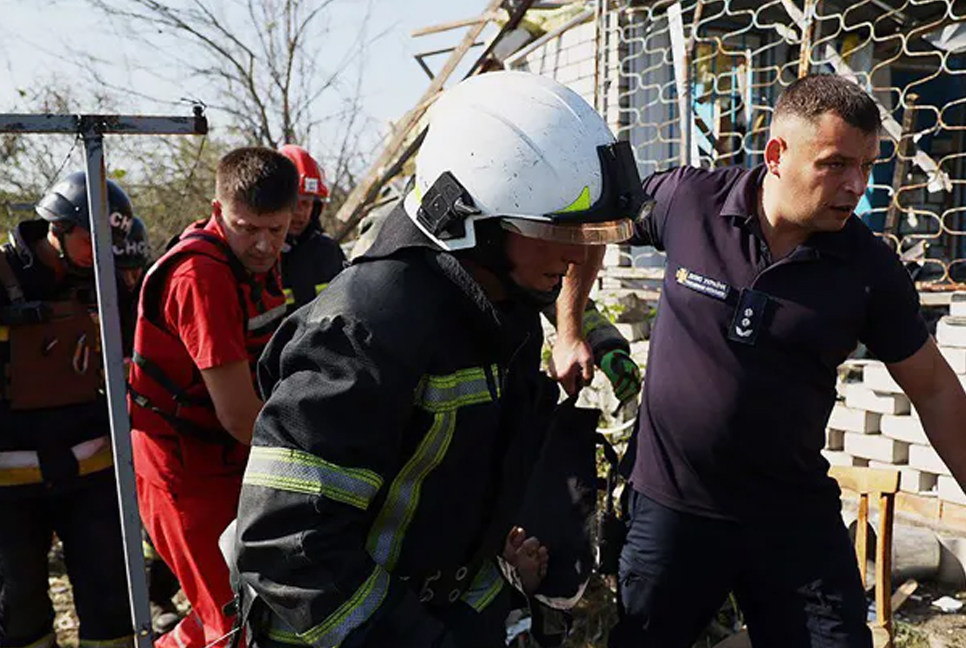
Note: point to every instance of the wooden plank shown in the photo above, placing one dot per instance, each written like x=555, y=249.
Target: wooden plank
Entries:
x=927, y=508
x=366, y=190
x=862, y=536
x=808, y=31
x=883, y=564
x=453, y=24
x=953, y=516
x=866, y=480
x=903, y=593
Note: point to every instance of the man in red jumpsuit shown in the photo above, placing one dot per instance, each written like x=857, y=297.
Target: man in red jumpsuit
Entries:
x=207, y=308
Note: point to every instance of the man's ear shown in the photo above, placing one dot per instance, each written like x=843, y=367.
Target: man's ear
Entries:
x=216, y=209
x=774, y=150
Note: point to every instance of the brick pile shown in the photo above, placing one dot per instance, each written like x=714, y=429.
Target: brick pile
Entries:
x=875, y=425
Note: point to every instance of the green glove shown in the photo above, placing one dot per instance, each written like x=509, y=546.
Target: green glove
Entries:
x=623, y=373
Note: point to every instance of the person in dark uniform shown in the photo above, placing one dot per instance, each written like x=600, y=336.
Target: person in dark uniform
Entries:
x=771, y=282
x=405, y=405
x=310, y=259
x=55, y=450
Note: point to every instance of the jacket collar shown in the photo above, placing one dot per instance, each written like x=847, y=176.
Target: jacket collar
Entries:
x=399, y=237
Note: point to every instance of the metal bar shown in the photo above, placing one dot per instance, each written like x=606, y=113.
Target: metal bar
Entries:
x=445, y=50
x=582, y=17
x=682, y=80
x=899, y=172
x=110, y=323
x=422, y=64
x=938, y=179
x=104, y=124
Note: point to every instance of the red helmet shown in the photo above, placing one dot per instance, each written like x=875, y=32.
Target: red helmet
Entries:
x=311, y=177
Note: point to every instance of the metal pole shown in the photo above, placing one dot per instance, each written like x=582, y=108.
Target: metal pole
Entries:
x=109, y=317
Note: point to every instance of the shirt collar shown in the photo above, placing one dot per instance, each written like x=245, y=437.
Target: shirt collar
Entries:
x=741, y=205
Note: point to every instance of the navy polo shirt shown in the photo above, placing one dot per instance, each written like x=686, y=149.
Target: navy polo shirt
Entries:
x=741, y=371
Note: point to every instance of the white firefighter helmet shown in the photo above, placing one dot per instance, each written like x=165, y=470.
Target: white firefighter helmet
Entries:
x=528, y=150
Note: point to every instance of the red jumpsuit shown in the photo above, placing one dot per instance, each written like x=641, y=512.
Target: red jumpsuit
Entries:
x=199, y=309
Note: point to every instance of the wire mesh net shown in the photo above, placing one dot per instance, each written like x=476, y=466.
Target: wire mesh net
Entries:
x=695, y=82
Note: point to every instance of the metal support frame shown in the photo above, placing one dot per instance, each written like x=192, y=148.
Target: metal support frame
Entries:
x=92, y=129
x=938, y=179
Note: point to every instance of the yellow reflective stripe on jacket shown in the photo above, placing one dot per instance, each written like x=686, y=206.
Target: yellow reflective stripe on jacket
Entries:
x=351, y=614
x=100, y=460
x=278, y=631
x=320, y=287
x=593, y=320
x=289, y=296
x=21, y=468
x=266, y=318
x=296, y=471
x=485, y=587
x=121, y=642
x=443, y=396
x=455, y=390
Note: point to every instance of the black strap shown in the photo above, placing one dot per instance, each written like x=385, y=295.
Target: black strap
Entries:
x=179, y=425
x=8, y=279
x=178, y=395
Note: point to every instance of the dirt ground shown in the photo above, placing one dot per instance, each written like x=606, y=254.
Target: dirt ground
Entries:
x=919, y=624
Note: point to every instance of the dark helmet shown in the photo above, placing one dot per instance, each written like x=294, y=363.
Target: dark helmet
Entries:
x=132, y=251
x=66, y=202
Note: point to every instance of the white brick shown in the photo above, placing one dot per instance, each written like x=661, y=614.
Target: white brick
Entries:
x=858, y=396
x=950, y=491
x=834, y=439
x=910, y=479
x=853, y=420
x=839, y=458
x=877, y=448
x=632, y=331
x=957, y=304
x=952, y=331
x=956, y=357
x=922, y=457
x=876, y=377
x=903, y=427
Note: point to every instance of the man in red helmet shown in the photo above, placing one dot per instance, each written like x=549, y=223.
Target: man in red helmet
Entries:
x=310, y=259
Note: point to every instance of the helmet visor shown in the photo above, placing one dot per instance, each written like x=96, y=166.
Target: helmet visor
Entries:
x=600, y=233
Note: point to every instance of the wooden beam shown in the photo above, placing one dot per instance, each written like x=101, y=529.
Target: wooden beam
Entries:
x=808, y=32
x=367, y=189
x=454, y=24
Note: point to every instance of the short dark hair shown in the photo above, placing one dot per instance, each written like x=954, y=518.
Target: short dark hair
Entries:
x=816, y=94
x=259, y=178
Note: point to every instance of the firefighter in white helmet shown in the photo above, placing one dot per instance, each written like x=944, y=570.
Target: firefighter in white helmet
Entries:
x=405, y=406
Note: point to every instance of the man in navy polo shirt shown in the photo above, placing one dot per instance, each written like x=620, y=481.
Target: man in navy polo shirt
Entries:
x=771, y=281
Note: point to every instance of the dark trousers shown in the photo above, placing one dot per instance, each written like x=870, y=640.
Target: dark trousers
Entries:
x=84, y=514
x=796, y=581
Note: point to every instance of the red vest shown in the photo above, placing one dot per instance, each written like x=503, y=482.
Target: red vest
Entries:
x=168, y=399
